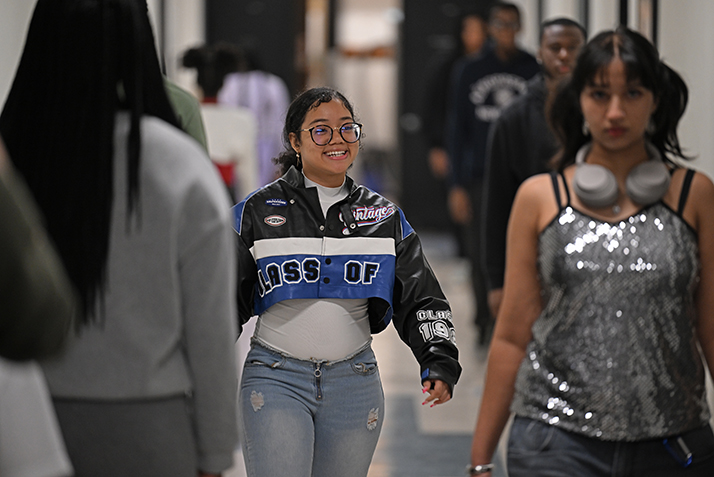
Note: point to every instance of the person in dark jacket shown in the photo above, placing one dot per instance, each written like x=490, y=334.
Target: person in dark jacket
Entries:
x=325, y=263
x=471, y=41
x=482, y=87
x=521, y=144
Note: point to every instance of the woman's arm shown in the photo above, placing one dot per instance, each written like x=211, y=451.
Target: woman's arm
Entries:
x=700, y=206
x=422, y=316
x=521, y=306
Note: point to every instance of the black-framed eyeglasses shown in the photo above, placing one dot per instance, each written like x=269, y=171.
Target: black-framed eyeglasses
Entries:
x=322, y=134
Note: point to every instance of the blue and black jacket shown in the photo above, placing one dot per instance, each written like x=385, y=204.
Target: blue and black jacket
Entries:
x=365, y=248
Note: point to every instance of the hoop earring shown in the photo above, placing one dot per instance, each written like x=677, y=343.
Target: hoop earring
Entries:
x=586, y=128
x=651, y=128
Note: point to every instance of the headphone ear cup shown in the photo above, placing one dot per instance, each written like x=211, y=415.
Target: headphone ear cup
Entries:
x=648, y=182
x=595, y=185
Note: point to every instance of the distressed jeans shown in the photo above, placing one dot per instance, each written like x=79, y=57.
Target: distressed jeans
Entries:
x=309, y=418
x=536, y=449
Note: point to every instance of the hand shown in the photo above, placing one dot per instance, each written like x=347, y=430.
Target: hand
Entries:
x=203, y=474
x=439, y=162
x=495, y=297
x=460, y=205
x=439, y=392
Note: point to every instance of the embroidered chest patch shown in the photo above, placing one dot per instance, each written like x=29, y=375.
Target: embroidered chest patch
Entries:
x=274, y=220
x=276, y=202
x=371, y=215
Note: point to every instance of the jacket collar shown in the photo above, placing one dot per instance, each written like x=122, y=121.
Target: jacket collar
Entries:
x=295, y=178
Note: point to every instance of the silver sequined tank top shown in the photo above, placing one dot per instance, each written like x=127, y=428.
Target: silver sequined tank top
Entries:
x=614, y=354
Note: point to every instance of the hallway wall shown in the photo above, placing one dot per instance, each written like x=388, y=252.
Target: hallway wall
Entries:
x=684, y=29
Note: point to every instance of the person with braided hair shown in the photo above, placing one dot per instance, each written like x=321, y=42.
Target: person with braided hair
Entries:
x=141, y=222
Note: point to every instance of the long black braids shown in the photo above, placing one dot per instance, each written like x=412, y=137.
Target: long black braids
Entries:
x=83, y=61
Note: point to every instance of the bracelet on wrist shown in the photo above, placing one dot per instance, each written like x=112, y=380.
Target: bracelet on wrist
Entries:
x=478, y=469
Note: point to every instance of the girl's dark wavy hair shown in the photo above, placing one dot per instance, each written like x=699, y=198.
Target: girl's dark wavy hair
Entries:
x=642, y=62
x=304, y=102
x=58, y=122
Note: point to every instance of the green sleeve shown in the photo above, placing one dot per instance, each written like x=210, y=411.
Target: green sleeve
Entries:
x=188, y=110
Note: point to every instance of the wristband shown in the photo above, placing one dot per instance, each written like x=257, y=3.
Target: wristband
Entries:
x=478, y=469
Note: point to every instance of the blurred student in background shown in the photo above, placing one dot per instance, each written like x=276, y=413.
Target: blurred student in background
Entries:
x=267, y=96
x=482, y=88
x=521, y=144
x=146, y=386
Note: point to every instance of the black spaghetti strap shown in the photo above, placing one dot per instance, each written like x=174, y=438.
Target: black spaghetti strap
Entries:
x=556, y=188
x=686, y=185
x=567, y=191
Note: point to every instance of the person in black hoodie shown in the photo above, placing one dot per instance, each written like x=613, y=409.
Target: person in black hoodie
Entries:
x=482, y=87
x=521, y=144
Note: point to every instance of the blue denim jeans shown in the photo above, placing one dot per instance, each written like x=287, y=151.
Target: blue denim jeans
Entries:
x=537, y=449
x=309, y=418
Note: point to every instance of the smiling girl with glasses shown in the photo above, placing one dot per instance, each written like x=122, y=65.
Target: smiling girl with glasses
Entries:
x=326, y=263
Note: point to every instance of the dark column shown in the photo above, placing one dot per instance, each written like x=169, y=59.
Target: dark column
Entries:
x=426, y=40
x=624, y=13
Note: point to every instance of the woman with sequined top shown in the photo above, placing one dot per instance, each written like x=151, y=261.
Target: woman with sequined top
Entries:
x=609, y=286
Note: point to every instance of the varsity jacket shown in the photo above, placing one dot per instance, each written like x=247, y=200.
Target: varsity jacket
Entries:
x=364, y=248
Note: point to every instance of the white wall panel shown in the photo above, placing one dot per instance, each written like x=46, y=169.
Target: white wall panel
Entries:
x=603, y=16
x=685, y=39
x=14, y=20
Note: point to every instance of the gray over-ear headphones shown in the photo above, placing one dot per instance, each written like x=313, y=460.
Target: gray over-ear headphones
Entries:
x=596, y=186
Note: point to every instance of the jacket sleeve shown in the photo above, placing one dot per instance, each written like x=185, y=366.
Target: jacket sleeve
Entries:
x=246, y=267
x=499, y=193
x=247, y=277
x=422, y=315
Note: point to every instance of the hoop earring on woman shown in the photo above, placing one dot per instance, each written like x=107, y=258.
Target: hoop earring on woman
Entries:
x=586, y=128
x=651, y=128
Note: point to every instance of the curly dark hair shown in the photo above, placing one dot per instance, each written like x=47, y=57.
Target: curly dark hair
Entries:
x=304, y=102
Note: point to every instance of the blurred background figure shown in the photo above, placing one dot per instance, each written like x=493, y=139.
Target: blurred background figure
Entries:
x=521, y=144
x=146, y=386
x=38, y=308
x=482, y=88
x=470, y=39
x=231, y=130
x=266, y=96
